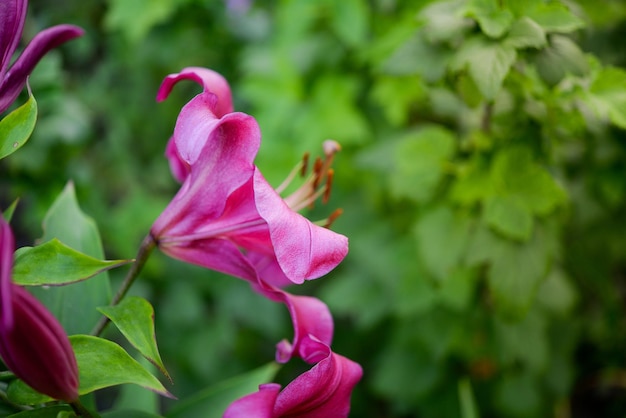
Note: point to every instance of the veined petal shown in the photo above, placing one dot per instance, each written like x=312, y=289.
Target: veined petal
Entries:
x=211, y=82
x=303, y=250
x=15, y=78
x=222, y=151
x=12, y=17
x=7, y=246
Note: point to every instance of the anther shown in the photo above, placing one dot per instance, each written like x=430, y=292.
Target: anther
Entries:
x=329, y=184
x=333, y=216
x=305, y=164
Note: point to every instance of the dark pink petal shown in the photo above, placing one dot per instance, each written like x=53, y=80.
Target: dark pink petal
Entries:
x=311, y=319
x=303, y=250
x=37, y=349
x=256, y=405
x=12, y=17
x=7, y=247
x=211, y=82
x=322, y=392
x=15, y=78
x=179, y=168
x=223, y=150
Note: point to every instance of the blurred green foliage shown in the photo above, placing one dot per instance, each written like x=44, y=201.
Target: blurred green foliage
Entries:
x=483, y=182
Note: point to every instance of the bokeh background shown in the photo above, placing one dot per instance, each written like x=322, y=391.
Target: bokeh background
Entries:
x=482, y=178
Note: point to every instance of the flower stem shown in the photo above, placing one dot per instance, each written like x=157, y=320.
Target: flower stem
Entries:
x=147, y=245
x=80, y=410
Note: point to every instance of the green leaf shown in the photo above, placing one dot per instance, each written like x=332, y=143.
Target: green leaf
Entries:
x=444, y=21
x=607, y=95
x=54, y=263
x=494, y=20
x=17, y=126
x=488, y=63
x=213, y=401
x=560, y=58
x=134, y=317
x=418, y=56
x=442, y=236
x=420, y=159
x=351, y=18
x=126, y=413
x=75, y=305
x=555, y=17
x=509, y=216
x=526, y=33
x=47, y=412
x=8, y=213
x=101, y=364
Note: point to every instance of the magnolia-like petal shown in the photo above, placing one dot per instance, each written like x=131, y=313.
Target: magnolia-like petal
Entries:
x=15, y=78
x=256, y=405
x=179, y=168
x=37, y=349
x=12, y=17
x=303, y=250
x=322, y=392
x=7, y=246
x=223, y=165
x=310, y=317
x=211, y=82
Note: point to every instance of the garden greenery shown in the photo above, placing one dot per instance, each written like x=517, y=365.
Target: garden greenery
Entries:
x=481, y=179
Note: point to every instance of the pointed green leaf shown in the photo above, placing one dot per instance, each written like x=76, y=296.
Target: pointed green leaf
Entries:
x=488, y=63
x=509, y=216
x=469, y=409
x=555, y=17
x=134, y=317
x=102, y=363
x=17, y=126
x=494, y=20
x=213, y=401
x=75, y=305
x=54, y=263
x=607, y=95
x=8, y=213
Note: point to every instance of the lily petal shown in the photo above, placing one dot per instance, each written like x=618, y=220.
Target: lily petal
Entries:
x=303, y=250
x=12, y=16
x=15, y=78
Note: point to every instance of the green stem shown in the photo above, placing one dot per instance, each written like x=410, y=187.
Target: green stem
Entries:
x=80, y=410
x=146, y=248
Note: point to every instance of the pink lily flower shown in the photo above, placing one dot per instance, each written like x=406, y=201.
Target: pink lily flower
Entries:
x=12, y=17
x=322, y=392
x=226, y=216
x=33, y=344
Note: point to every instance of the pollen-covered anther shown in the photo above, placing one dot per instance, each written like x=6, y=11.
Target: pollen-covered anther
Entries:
x=332, y=217
x=305, y=164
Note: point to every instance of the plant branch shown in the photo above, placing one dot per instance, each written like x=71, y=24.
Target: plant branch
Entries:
x=146, y=248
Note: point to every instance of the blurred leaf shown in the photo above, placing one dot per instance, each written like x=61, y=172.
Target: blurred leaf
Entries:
x=46, y=412
x=442, y=236
x=127, y=413
x=488, y=63
x=517, y=395
x=54, y=263
x=526, y=33
x=418, y=56
x=510, y=216
x=607, y=95
x=469, y=409
x=420, y=159
x=213, y=401
x=134, y=317
x=75, y=305
x=555, y=17
x=396, y=96
x=17, y=126
x=8, y=213
x=135, y=18
x=351, y=18
x=561, y=57
x=493, y=18
x=557, y=293
x=444, y=20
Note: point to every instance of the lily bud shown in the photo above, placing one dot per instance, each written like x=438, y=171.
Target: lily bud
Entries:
x=33, y=344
